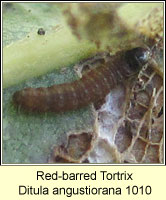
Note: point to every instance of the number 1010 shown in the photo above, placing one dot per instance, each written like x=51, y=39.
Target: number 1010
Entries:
x=139, y=190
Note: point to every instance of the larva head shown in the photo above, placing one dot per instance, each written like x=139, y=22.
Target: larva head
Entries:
x=137, y=58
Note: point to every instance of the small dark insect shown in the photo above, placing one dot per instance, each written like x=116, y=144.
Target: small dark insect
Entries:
x=41, y=31
x=91, y=88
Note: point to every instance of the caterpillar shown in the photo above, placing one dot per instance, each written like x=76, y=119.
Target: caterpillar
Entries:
x=90, y=88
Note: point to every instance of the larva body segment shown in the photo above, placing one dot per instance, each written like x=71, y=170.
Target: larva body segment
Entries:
x=92, y=87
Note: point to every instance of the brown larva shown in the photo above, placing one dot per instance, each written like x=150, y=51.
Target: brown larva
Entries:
x=93, y=86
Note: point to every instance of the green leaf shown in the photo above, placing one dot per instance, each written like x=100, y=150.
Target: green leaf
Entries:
x=30, y=138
